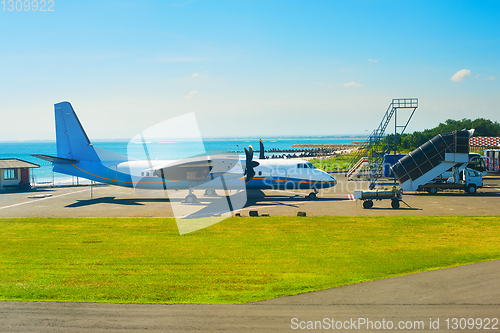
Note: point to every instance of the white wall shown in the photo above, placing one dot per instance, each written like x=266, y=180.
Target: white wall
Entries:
x=4, y=182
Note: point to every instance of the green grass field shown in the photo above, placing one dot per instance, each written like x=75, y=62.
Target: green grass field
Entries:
x=333, y=164
x=238, y=260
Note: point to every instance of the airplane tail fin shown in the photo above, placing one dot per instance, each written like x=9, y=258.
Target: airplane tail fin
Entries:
x=72, y=141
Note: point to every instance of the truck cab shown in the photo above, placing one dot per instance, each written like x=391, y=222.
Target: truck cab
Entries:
x=473, y=180
x=478, y=163
x=468, y=180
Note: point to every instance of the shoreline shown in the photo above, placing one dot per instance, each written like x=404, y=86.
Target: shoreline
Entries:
x=326, y=146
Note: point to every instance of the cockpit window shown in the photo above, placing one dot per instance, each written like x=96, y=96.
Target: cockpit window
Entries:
x=307, y=165
x=310, y=165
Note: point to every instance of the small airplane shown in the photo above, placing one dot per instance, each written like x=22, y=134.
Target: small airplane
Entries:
x=76, y=156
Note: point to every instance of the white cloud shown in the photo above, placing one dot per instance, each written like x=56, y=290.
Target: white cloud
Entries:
x=373, y=60
x=195, y=74
x=353, y=85
x=491, y=78
x=192, y=94
x=461, y=75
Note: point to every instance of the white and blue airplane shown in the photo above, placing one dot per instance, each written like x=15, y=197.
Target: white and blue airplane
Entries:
x=76, y=156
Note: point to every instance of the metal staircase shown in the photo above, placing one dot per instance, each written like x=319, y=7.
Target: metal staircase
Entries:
x=359, y=164
x=376, y=146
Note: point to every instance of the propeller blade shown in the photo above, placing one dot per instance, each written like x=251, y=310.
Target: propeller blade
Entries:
x=250, y=164
x=248, y=154
x=261, y=155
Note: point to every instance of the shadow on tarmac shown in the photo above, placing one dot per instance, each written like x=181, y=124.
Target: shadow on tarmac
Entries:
x=253, y=199
x=112, y=200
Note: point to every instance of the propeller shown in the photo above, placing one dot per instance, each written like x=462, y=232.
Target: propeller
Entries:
x=261, y=155
x=250, y=164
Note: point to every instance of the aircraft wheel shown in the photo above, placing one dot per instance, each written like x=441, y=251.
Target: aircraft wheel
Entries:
x=311, y=196
x=209, y=192
x=395, y=204
x=432, y=190
x=191, y=198
x=367, y=204
x=471, y=189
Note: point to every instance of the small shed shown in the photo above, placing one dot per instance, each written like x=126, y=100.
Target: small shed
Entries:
x=15, y=173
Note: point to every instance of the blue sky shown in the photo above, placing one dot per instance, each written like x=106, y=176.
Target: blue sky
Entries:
x=247, y=68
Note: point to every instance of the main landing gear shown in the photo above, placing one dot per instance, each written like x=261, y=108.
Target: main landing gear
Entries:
x=210, y=193
x=190, y=198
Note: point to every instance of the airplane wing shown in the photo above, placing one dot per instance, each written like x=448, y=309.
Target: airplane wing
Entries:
x=195, y=169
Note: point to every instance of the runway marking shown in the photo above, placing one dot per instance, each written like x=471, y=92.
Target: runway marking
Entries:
x=297, y=202
x=56, y=196
x=350, y=198
x=276, y=205
x=498, y=189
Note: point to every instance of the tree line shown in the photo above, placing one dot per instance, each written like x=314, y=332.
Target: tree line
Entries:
x=483, y=127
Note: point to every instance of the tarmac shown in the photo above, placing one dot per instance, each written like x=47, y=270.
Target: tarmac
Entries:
x=114, y=201
x=471, y=291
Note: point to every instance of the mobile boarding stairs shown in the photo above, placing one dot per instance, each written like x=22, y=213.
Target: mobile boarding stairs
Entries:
x=421, y=166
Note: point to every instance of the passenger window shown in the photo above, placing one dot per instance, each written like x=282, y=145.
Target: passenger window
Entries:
x=299, y=166
x=260, y=173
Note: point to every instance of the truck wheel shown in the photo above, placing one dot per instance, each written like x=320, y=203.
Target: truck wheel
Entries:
x=395, y=204
x=471, y=189
x=432, y=190
x=367, y=204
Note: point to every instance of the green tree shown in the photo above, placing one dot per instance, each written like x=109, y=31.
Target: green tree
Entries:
x=483, y=127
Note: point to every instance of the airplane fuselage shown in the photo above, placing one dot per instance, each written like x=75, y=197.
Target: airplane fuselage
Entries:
x=270, y=174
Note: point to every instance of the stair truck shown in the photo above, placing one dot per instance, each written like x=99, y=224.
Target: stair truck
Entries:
x=421, y=166
x=468, y=180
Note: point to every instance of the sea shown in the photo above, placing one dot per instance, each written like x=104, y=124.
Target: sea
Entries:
x=161, y=150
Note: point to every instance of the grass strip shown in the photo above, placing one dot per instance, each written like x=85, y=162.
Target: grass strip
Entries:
x=238, y=260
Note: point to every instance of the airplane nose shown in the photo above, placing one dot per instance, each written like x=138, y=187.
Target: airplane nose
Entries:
x=332, y=180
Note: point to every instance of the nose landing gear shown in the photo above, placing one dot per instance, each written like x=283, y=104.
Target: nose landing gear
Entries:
x=312, y=195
